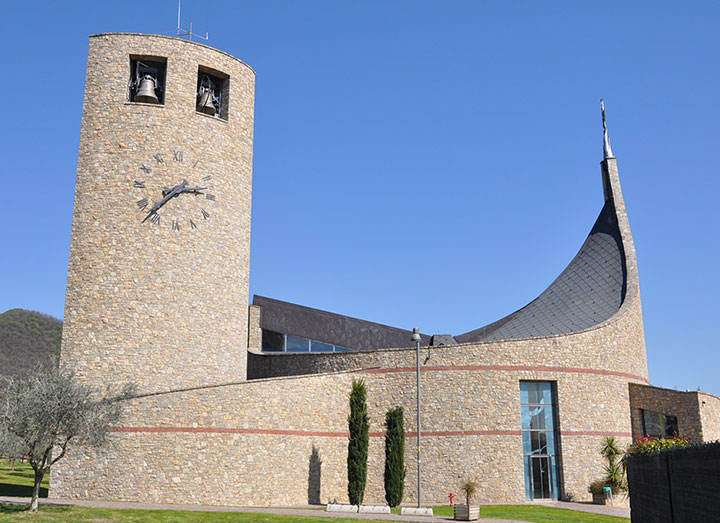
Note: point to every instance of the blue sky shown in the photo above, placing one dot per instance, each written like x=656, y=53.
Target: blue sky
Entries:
x=429, y=164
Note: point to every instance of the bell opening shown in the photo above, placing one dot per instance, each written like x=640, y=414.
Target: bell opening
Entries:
x=212, y=90
x=147, y=80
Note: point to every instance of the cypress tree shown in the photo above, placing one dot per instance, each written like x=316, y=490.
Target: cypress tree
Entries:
x=394, y=456
x=358, y=443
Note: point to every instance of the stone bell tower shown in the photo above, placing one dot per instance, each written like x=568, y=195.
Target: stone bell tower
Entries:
x=157, y=289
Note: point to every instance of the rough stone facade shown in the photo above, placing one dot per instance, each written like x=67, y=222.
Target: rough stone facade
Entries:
x=222, y=444
x=239, y=436
x=168, y=310
x=698, y=413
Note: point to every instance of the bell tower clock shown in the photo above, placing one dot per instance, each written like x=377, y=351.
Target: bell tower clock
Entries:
x=158, y=274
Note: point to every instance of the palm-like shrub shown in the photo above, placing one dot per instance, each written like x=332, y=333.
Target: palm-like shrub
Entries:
x=615, y=467
x=469, y=490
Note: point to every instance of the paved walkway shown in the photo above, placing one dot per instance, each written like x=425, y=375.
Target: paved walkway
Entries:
x=307, y=510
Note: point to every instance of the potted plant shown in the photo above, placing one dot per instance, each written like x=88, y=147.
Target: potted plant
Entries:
x=467, y=512
x=597, y=489
x=614, y=473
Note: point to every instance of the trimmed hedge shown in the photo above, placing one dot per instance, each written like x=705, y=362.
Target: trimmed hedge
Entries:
x=675, y=485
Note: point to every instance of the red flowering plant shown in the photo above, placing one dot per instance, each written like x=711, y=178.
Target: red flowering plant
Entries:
x=645, y=445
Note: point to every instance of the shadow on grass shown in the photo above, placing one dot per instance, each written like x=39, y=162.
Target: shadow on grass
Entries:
x=18, y=508
x=20, y=491
x=19, y=473
x=6, y=510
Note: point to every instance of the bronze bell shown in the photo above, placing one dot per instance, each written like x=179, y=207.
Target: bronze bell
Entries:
x=205, y=101
x=146, y=91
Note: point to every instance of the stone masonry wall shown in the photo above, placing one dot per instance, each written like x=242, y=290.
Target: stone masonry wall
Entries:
x=710, y=416
x=698, y=413
x=147, y=303
x=254, y=330
x=619, y=342
x=252, y=443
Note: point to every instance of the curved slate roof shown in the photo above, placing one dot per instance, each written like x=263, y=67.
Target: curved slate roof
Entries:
x=589, y=291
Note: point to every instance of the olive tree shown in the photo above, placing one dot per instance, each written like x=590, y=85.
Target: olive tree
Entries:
x=48, y=411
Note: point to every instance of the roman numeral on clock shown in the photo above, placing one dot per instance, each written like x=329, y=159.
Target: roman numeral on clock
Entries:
x=145, y=169
x=175, y=225
x=178, y=156
x=155, y=218
x=205, y=214
x=159, y=158
x=142, y=203
x=192, y=225
x=210, y=197
x=139, y=185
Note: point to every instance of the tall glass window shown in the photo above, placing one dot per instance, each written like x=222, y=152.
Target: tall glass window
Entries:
x=539, y=436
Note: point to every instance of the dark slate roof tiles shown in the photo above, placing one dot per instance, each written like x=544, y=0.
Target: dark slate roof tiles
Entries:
x=315, y=324
x=589, y=291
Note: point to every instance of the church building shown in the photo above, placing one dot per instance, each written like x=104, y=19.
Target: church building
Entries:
x=247, y=404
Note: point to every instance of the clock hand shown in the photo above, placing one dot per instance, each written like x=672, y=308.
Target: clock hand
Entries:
x=184, y=189
x=175, y=190
x=194, y=189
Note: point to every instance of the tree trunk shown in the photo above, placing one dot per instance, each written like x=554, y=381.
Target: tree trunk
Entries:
x=36, y=490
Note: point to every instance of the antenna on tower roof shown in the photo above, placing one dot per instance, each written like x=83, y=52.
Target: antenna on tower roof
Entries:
x=183, y=32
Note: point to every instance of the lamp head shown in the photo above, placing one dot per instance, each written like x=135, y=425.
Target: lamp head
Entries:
x=416, y=334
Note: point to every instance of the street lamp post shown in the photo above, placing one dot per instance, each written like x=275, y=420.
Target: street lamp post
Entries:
x=416, y=339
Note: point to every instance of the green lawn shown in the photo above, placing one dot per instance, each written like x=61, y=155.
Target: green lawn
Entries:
x=19, y=482
x=530, y=513
x=536, y=513
x=533, y=513
x=19, y=513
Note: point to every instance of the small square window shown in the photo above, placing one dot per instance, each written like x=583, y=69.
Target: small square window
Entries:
x=657, y=425
x=212, y=93
x=147, y=80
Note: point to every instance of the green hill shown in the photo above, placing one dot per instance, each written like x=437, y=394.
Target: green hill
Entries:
x=27, y=339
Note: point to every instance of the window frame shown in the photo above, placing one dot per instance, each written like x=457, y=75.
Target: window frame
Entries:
x=667, y=428
x=335, y=348
x=554, y=459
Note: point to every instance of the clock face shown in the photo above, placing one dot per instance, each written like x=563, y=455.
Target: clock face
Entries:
x=173, y=190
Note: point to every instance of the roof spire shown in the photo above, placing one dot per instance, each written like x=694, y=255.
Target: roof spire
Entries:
x=607, y=150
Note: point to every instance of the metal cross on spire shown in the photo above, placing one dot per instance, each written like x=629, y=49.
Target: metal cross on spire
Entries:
x=607, y=150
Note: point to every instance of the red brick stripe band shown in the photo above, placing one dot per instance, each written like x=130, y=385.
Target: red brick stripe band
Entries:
x=229, y=430
x=212, y=430
x=595, y=433
x=505, y=367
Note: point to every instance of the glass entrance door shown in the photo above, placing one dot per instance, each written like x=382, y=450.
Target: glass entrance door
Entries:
x=541, y=477
x=539, y=437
